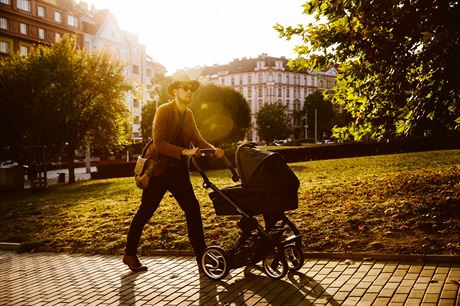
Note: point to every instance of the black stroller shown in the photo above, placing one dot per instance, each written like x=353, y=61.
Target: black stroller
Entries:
x=268, y=188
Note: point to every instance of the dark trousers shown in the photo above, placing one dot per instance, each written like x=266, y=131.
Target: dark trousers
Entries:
x=176, y=180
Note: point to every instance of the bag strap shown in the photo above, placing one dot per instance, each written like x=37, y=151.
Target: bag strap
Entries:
x=146, y=147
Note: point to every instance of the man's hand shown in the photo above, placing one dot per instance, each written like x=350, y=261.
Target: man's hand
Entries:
x=219, y=153
x=191, y=152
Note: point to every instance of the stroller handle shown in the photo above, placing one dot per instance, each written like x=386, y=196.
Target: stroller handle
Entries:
x=209, y=152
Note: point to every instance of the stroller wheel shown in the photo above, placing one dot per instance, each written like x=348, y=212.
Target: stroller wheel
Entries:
x=215, y=262
x=294, y=257
x=275, y=266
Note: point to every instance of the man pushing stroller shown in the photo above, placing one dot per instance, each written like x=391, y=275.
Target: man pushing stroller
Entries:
x=174, y=130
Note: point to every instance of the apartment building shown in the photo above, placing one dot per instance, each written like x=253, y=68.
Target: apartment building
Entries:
x=102, y=32
x=25, y=23
x=266, y=80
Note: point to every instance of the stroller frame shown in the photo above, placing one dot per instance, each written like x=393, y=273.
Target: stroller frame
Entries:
x=278, y=254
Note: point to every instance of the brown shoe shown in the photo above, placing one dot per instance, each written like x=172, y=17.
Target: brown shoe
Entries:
x=133, y=263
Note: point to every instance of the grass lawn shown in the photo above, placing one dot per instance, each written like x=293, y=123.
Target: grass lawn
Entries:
x=401, y=203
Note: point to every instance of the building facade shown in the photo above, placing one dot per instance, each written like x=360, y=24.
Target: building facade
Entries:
x=26, y=23
x=266, y=80
x=102, y=32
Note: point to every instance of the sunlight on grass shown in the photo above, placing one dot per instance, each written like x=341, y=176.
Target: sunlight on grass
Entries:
x=405, y=203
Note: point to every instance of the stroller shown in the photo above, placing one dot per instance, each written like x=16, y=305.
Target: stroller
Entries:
x=268, y=188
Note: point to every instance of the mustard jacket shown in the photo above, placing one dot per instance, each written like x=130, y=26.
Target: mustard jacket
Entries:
x=164, y=131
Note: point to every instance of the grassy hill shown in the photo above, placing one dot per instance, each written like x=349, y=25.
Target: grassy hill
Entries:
x=401, y=203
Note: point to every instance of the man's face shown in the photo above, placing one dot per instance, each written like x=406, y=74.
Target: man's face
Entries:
x=184, y=93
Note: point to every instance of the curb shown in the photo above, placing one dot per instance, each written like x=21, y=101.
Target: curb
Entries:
x=9, y=246
x=387, y=257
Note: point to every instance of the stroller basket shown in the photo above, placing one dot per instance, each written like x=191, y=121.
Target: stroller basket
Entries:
x=253, y=203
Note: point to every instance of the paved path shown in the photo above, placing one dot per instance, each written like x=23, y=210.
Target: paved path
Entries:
x=70, y=279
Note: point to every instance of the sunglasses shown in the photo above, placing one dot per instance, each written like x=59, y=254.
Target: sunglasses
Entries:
x=186, y=88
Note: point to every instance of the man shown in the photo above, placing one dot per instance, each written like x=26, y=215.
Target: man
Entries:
x=174, y=130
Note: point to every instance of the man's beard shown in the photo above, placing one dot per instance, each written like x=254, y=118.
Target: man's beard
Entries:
x=185, y=101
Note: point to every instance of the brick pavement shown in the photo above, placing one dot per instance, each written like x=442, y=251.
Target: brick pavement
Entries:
x=71, y=279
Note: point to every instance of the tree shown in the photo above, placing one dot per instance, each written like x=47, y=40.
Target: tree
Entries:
x=148, y=113
x=398, y=62
x=325, y=113
x=159, y=96
x=273, y=122
x=12, y=108
x=67, y=98
x=222, y=113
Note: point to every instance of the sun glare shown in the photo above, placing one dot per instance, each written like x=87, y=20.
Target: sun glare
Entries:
x=183, y=33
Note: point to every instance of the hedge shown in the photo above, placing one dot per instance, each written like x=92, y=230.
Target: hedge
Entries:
x=108, y=169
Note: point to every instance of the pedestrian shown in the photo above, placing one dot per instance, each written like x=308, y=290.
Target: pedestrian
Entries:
x=174, y=130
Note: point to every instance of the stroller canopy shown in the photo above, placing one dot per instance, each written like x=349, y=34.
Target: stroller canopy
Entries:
x=264, y=170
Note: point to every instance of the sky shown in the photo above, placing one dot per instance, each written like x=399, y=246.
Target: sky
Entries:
x=188, y=33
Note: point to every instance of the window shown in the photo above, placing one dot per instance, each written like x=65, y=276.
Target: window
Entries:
x=57, y=37
x=3, y=23
x=23, y=28
x=149, y=73
x=41, y=33
x=260, y=91
x=287, y=92
x=41, y=11
x=4, y=47
x=249, y=79
x=23, y=5
x=136, y=103
x=7, y=2
x=279, y=92
x=23, y=50
x=72, y=21
x=296, y=106
x=136, y=69
x=136, y=120
x=57, y=17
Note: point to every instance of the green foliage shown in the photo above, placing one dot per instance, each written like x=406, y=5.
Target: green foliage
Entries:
x=273, y=122
x=148, y=113
x=12, y=108
x=325, y=113
x=159, y=96
x=398, y=62
x=60, y=96
x=160, y=83
x=222, y=114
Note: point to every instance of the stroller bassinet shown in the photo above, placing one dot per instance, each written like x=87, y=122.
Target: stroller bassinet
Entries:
x=268, y=186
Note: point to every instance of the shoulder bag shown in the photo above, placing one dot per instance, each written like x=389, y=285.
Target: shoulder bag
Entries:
x=143, y=170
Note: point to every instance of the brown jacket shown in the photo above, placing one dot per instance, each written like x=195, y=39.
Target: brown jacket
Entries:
x=164, y=131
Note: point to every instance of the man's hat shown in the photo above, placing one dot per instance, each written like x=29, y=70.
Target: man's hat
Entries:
x=182, y=79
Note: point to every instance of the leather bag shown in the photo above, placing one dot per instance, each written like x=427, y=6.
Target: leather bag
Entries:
x=143, y=170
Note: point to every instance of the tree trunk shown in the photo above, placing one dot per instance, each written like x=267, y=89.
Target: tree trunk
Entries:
x=70, y=165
